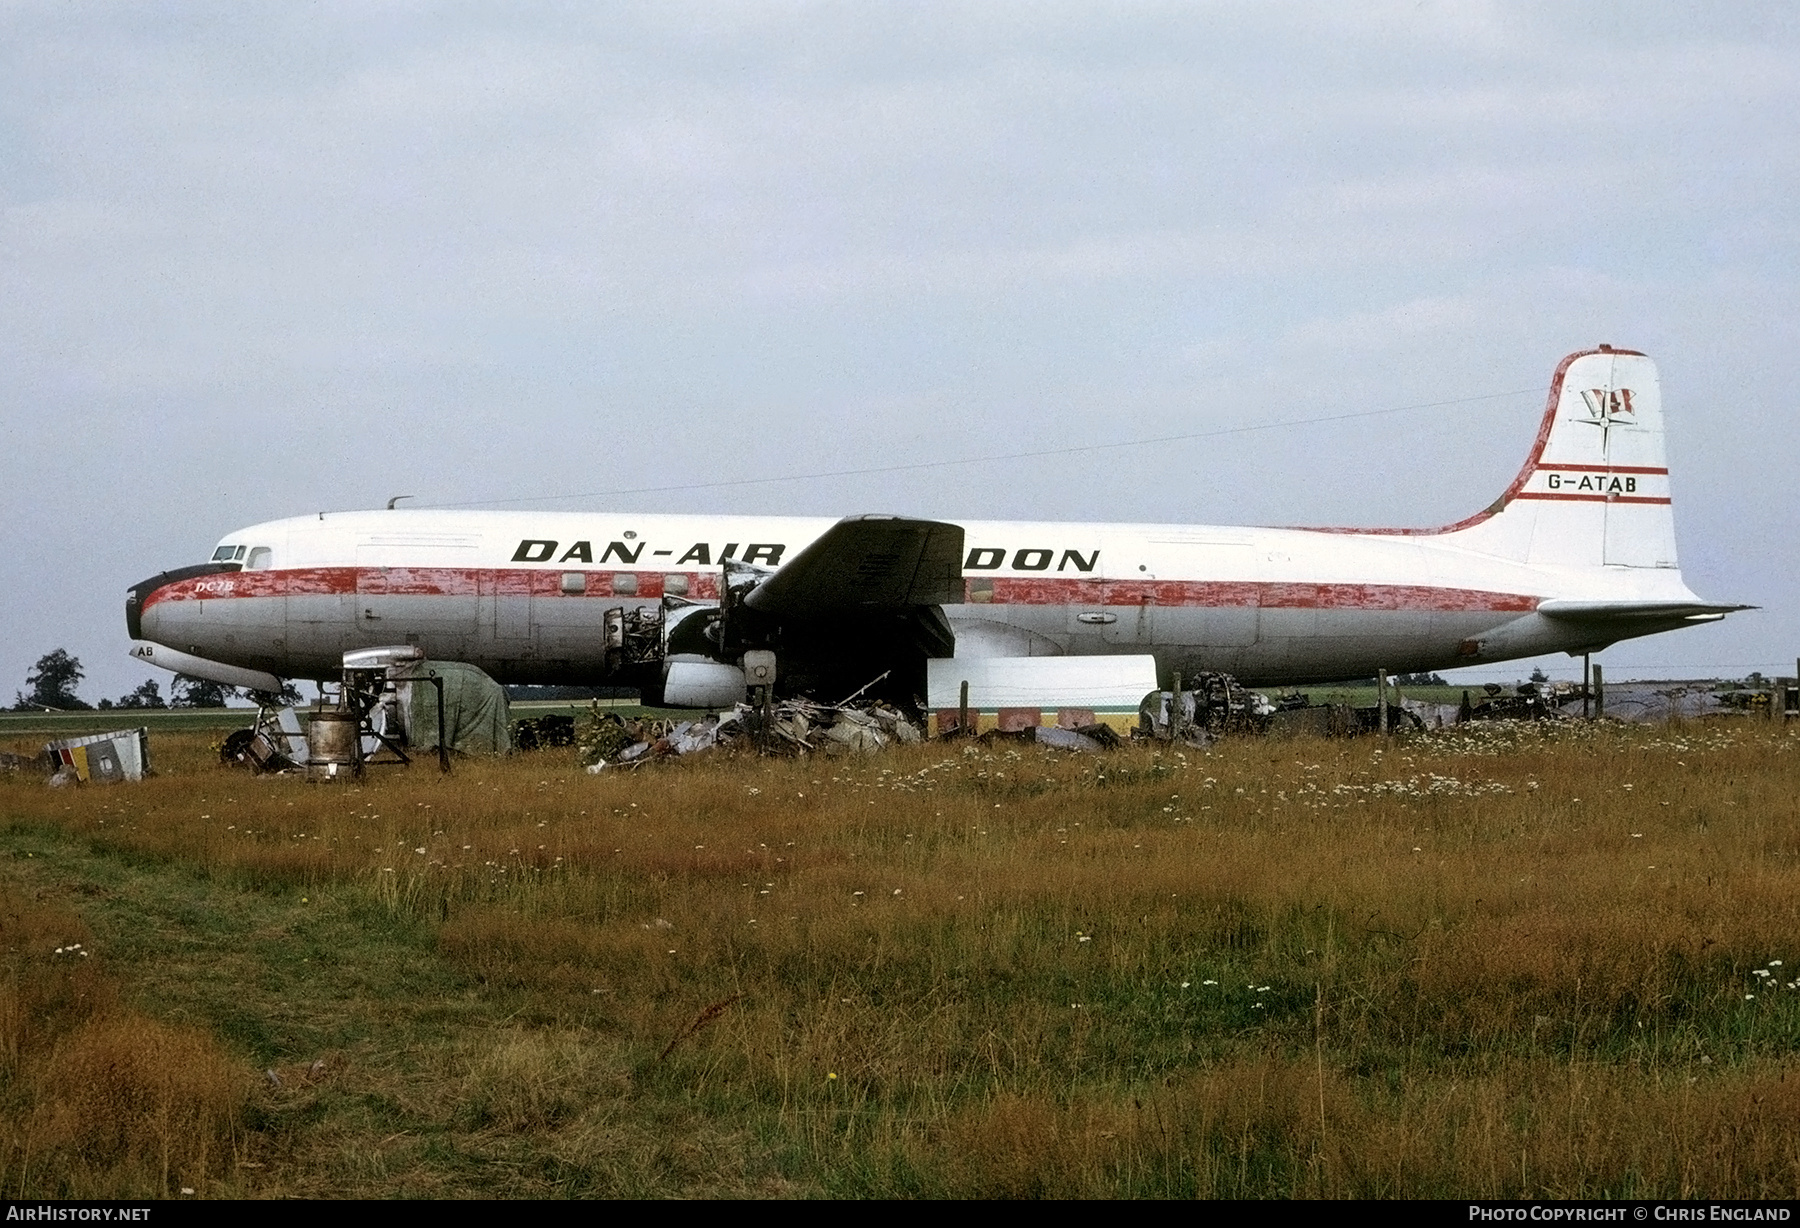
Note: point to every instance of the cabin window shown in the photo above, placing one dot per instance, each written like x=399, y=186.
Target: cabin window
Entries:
x=259, y=559
x=675, y=584
x=624, y=584
x=574, y=582
x=981, y=589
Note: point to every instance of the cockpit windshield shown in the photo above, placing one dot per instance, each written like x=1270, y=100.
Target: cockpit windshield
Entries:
x=228, y=554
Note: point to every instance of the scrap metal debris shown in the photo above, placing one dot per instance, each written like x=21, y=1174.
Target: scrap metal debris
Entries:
x=1088, y=740
x=275, y=742
x=1527, y=703
x=1217, y=704
x=789, y=727
x=123, y=754
x=543, y=732
x=10, y=762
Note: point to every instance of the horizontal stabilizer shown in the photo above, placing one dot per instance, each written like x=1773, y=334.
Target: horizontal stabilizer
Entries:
x=1643, y=611
x=865, y=563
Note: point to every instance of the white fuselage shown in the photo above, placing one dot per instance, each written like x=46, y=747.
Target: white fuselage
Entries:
x=1577, y=553
x=523, y=595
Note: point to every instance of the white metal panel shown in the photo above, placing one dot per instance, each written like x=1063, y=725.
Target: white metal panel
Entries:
x=1100, y=684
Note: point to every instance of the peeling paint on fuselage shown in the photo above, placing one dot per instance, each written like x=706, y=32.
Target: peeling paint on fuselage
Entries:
x=1271, y=605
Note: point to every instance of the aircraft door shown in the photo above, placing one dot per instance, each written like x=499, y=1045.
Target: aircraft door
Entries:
x=422, y=593
x=506, y=607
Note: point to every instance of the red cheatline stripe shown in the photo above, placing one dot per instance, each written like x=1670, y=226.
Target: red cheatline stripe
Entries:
x=1533, y=494
x=1602, y=468
x=1239, y=594
x=425, y=582
x=995, y=590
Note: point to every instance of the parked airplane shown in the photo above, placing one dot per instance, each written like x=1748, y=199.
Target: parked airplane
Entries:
x=1576, y=554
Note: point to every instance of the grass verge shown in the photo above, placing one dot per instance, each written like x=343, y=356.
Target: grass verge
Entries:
x=1500, y=962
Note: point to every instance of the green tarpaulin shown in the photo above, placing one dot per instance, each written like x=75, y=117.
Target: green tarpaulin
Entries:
x=477, y=720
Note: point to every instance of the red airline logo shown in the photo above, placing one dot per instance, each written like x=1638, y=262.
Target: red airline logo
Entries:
x=1608, y=404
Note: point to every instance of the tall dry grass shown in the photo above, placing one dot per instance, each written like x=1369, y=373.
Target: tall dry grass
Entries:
x=97, y=1099
x=1265, y=1124
x=127, y=1103
x=1506, y=962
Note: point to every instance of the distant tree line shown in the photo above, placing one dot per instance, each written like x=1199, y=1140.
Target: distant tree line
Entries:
x=52, y=681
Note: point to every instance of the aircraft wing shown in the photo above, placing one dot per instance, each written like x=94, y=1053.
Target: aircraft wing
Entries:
x=1636, y=611
x=867, y=563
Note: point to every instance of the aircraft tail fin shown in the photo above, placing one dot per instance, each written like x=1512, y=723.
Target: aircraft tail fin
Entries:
x=1594, y=491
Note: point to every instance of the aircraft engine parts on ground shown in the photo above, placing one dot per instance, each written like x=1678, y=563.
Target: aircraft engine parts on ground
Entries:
x=790, y=727
x=391, y=701
x=1216, y=705
x=330, y=745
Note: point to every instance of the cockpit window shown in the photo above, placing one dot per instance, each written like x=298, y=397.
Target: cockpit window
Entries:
x=259, y=559
x=228, y=554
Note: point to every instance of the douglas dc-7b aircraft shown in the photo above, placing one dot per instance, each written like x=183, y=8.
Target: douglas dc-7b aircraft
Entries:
x=1576, y=554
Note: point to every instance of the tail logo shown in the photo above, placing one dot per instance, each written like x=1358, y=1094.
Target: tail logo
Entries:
x=1607, y=408
x=1609, y=405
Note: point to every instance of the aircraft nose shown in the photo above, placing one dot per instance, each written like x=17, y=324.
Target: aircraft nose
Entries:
x=143, y=593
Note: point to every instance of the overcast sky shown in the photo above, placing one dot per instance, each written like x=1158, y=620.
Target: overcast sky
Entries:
x=258, y=260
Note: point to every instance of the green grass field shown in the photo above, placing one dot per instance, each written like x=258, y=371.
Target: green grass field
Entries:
x=17, y=726
x=1496, y=962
